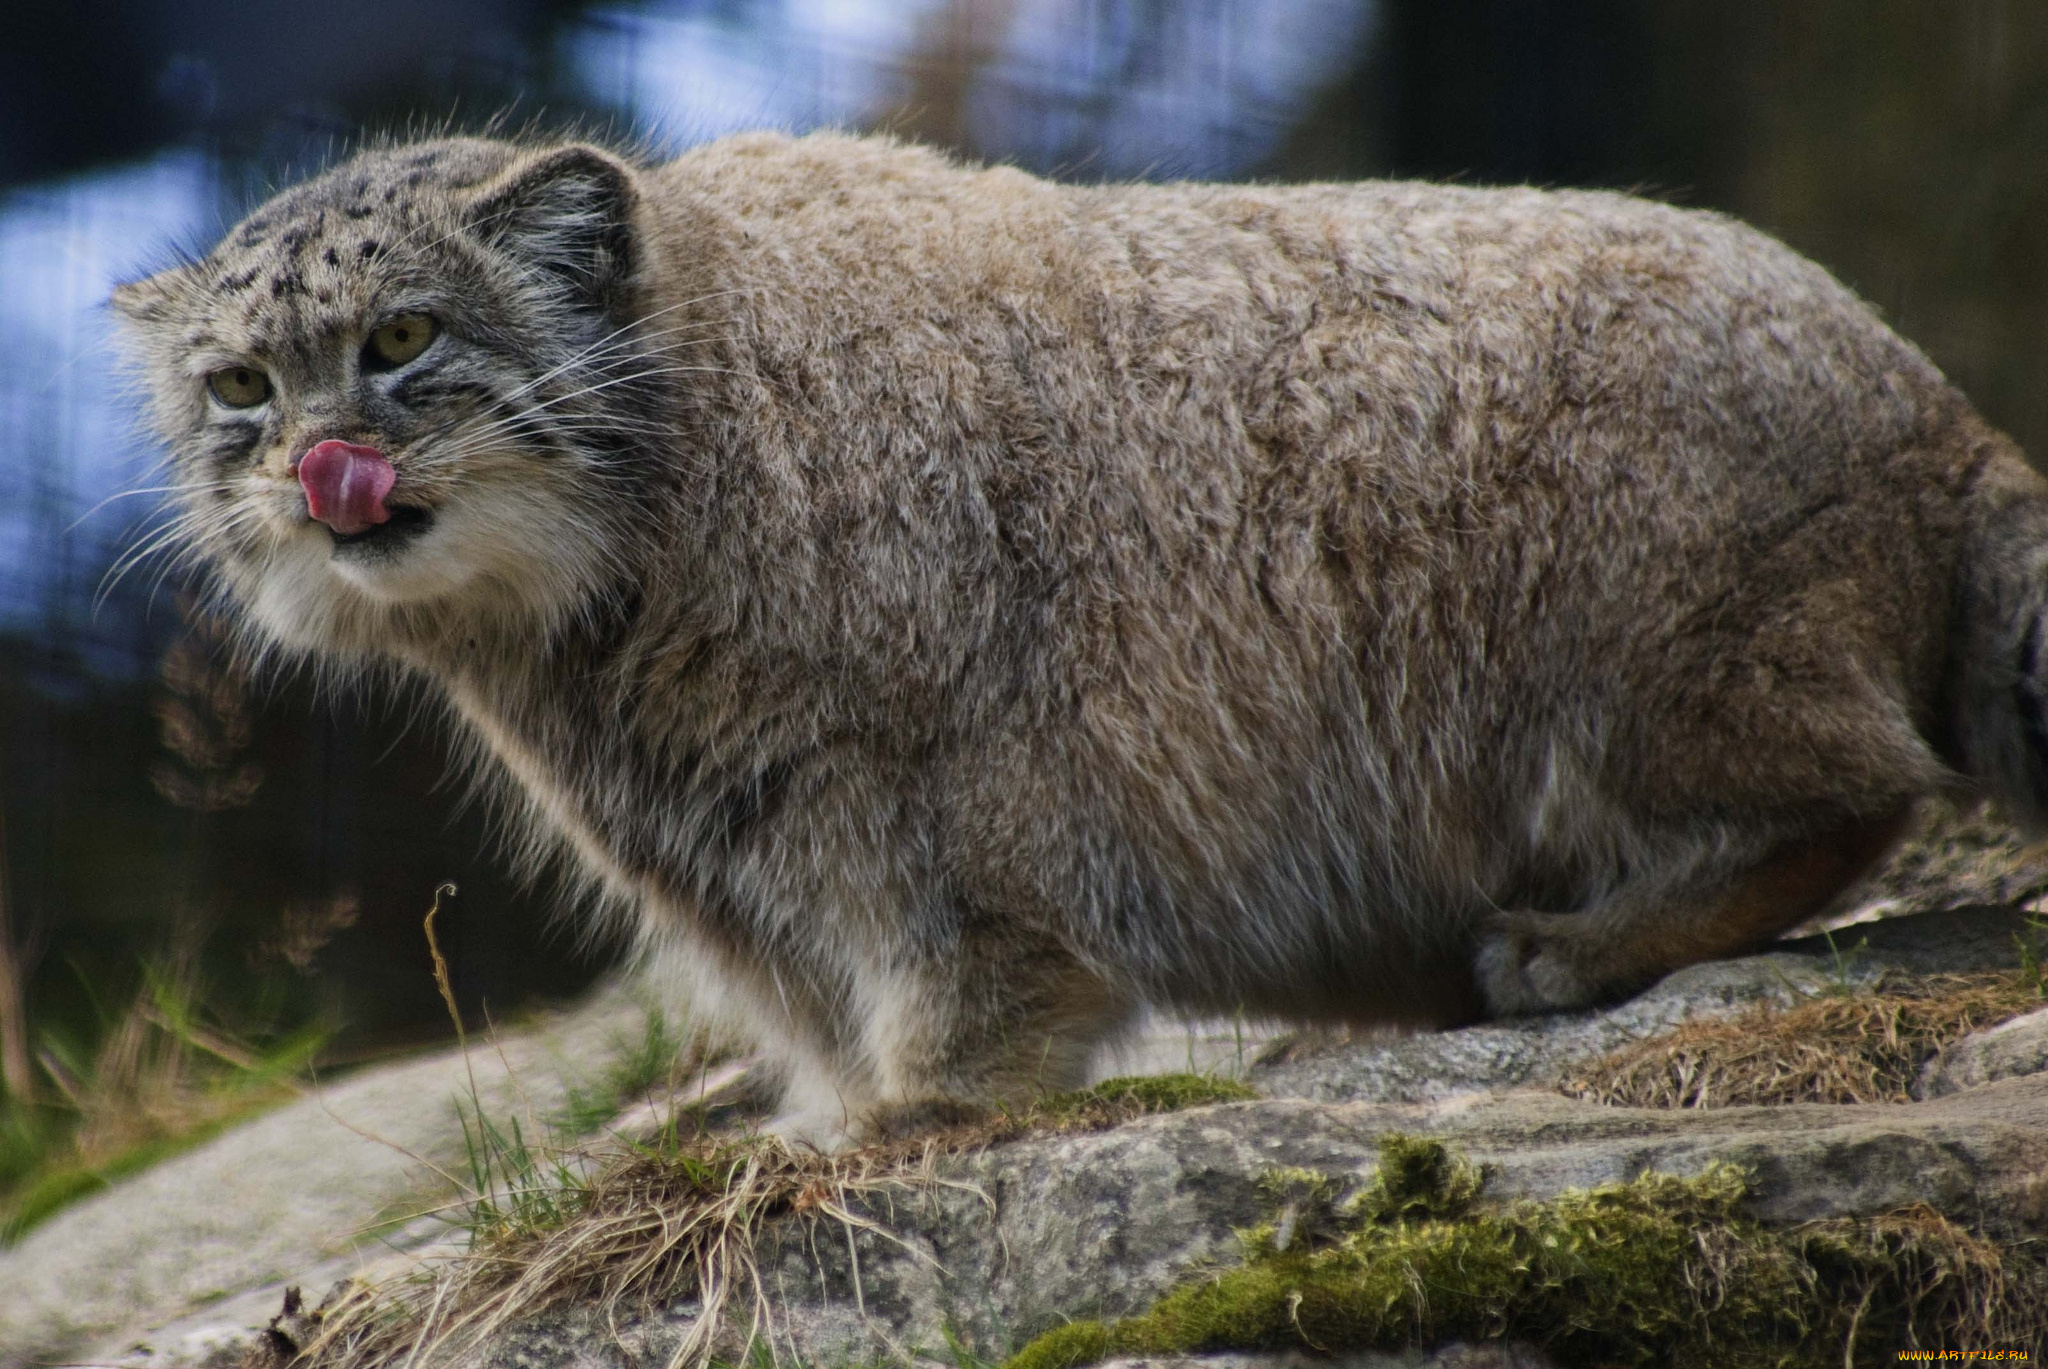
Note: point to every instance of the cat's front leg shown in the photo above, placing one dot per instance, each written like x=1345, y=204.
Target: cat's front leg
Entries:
x=1005, y=1019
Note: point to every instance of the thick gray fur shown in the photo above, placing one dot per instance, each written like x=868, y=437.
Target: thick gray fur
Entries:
x=956, y=608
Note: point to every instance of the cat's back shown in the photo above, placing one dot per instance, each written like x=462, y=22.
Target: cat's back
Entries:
x=1412, y=298
x=1625, y=382
x=1499, y=436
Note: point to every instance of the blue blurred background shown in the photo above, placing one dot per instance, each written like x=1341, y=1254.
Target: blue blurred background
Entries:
x=274, y=851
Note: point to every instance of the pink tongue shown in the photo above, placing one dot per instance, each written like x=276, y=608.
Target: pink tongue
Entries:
x=346, y=484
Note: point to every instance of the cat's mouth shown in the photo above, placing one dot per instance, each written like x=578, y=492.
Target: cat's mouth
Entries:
x=406, y=523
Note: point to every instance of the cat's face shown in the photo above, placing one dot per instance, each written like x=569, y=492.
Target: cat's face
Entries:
x=396, y=395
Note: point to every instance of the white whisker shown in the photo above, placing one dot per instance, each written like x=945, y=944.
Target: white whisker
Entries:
x=73, y=526
x=618, y=338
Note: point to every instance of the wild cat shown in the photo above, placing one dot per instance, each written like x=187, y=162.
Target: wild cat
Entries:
x=959, y=608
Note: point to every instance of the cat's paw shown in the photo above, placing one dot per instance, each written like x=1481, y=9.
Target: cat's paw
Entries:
x=818, y=1112
x=831, y=1131
x=897, y=1121
x=826, y=1131
x=1534, y=963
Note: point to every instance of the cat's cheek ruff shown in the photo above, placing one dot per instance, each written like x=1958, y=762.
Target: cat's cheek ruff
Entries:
x=419, y=572
x=528, y=547
x=518, y=562
x=487, y=551
x=290, y=597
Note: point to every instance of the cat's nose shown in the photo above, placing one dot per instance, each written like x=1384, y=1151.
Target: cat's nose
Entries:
x=345, y=485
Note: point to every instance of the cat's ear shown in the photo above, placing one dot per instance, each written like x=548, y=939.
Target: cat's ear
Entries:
x=570, y=212
x=148, y=300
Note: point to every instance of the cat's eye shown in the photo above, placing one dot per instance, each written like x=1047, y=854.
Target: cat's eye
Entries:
x=399, y=341
x=239, y=387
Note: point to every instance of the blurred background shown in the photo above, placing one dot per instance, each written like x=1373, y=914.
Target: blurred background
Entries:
x=207, y=882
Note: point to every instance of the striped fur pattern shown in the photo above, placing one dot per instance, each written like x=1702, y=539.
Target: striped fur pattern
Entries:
x=952, y=609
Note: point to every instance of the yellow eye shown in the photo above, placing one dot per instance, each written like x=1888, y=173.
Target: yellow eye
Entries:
x=400, y=340
x=239, y=387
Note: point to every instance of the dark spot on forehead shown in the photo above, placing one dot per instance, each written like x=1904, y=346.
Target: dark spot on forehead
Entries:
x=359, y=210
x=331, y=257
x=302, y=344
x=324, y=296
x=285, y=284
x=235, y=280
x=369, y=248
x=254, y=230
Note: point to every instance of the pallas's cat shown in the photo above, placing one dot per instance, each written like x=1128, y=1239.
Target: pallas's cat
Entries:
x=956, y=609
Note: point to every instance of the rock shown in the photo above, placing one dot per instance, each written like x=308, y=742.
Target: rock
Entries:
x=292, y=1196
x=1101, y=1225
x=1948, y=941
x=1021, y=1237
x=1953, y=858
x=1456, y=1355
x=2009, y=1050
x=1426, y=1066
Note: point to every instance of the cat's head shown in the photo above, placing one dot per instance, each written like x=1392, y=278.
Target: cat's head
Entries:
x=409, y=397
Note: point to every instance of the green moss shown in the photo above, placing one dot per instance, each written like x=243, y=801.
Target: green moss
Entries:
x=1064, y=1347
x=1661, y=1270
x=1417, y=1180
x=1118, y=1100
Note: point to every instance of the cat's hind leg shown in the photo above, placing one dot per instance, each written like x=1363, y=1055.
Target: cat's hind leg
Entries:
x=1720, y=904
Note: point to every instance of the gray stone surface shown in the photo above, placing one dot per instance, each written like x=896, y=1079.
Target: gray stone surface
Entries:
x=1026, y=1235
x=291, y=1194
x=1492, y=1355
x=1434, y=1065
x=1101, y=1225
x=2006, y=1051
x=1951, y=941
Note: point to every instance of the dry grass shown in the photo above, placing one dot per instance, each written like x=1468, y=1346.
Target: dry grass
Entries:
x=161, y=1073
x=637, y=1227
x=1864, y=1048
x=650, y=1228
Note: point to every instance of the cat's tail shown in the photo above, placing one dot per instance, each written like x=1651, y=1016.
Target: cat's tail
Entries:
x=1998, y=671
